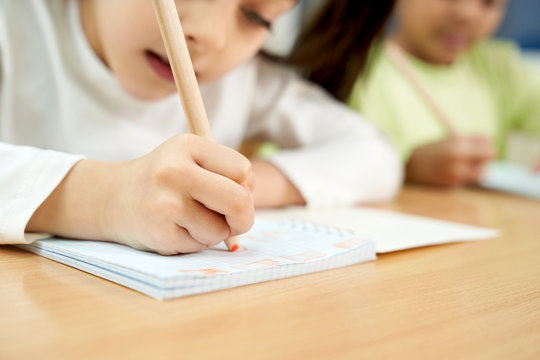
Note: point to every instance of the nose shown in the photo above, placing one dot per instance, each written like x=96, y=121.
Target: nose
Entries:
x=467, y=11
x=208, y=28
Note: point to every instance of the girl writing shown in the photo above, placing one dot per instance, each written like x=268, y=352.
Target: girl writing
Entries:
x=445, y=95
x=88, y=117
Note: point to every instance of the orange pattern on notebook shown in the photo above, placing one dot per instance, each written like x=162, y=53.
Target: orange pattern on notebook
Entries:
x=349, y=243
x=205, y=271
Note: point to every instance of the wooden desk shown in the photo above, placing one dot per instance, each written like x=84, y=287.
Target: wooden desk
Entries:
x=477, y=300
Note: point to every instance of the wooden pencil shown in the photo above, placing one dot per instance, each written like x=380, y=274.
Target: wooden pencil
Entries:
x=396, y=54
x=184, y=75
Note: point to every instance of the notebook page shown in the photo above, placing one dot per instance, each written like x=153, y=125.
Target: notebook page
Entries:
x=272, y=249
x=390, y=231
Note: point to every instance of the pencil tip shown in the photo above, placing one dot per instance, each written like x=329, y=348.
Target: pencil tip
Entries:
x=234, y=248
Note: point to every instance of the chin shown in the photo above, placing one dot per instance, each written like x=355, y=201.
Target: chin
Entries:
x=149, y=94
x=446, y=57
x=446, y=60
x=149, y=90
x=205, y=79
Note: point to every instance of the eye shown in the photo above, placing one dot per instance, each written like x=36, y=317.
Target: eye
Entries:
x=256, y=18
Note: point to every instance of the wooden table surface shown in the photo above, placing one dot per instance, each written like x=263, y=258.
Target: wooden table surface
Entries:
x=478, y=300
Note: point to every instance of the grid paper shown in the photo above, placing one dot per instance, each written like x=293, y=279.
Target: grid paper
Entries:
x=270, y=250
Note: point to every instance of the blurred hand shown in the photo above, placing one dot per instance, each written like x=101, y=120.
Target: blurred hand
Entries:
x=536, y=167
x=456, y=161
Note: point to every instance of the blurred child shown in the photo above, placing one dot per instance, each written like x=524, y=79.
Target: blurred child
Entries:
x=445, y=95
x=89, y=116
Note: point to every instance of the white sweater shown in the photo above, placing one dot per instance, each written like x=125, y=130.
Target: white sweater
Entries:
x=60, y=103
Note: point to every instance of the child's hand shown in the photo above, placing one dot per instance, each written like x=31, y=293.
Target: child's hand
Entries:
x=536, y=167
x=456, y=161
x=188, y=194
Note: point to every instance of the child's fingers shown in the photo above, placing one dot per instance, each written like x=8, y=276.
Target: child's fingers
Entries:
x=204, y=225
x=481, y=148
x=458, y=175
x=536, y=167
x=222, y=160
x=175, y=241
x=472, y=148
x=250, y=182
x=226, y=197
x=476, y=172
x=186, y=243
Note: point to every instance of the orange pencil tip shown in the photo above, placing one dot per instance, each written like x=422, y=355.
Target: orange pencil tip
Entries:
x=234, y=248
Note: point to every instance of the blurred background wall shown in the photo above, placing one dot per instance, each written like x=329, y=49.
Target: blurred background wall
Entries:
x=285, y=30
x=522, y=24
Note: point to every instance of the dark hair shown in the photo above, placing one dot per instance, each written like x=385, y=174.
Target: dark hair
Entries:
x=333, y=49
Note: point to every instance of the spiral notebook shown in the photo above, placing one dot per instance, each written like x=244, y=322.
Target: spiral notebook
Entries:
x=272, y=249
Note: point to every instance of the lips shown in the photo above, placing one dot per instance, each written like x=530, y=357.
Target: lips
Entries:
x=160, y=65
x=456, y=41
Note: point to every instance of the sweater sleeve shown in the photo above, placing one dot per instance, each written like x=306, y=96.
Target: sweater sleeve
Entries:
x=516, y=83
x=27, y=177
x=377, y=103
x=525, y=114
x=328, y=151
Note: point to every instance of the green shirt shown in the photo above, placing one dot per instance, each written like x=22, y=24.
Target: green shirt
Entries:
x=488, y=91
